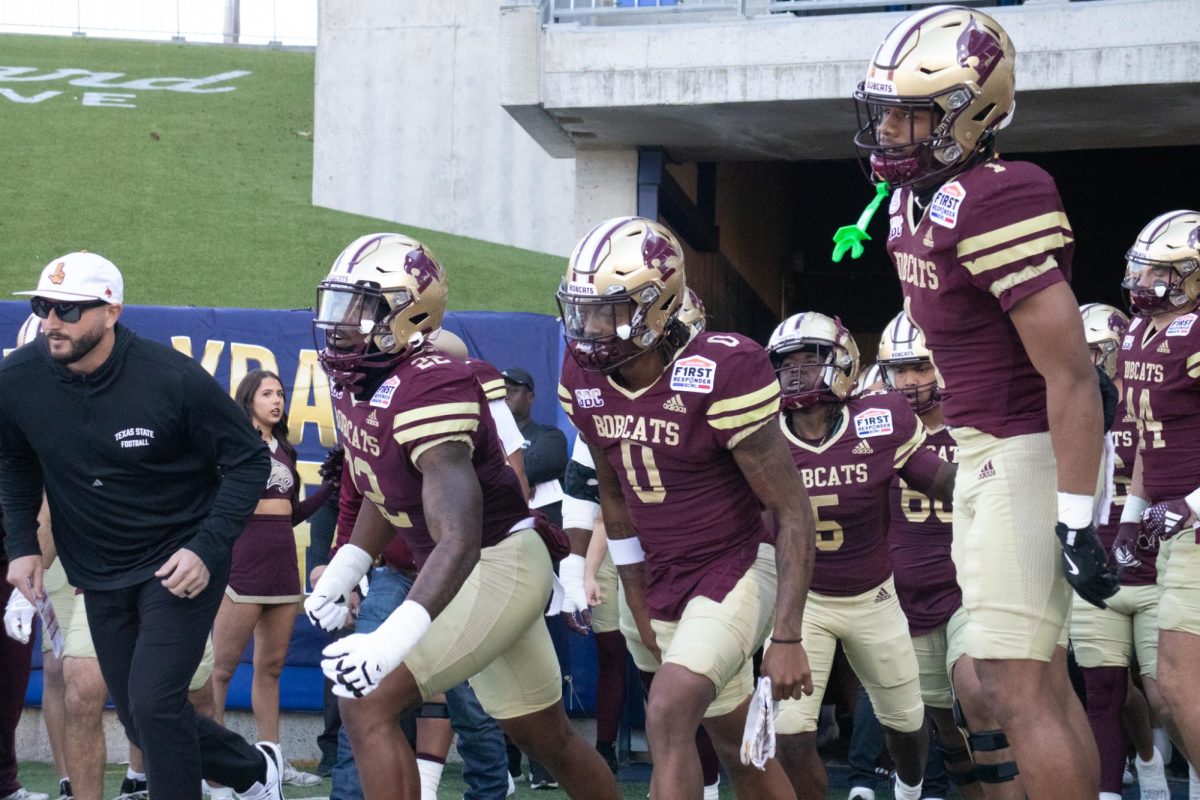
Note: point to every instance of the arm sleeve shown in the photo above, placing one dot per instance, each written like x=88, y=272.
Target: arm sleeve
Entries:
x=20, y=490
x=746, y=396
x=219, y=429
x=546, y=456
x=1016, y=240
x=311, y=504
x=581, y=503
x=506, y=427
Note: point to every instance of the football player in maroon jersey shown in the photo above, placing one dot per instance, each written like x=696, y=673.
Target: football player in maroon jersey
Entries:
x=681, y=430
x=423, y=449
x=1107, y=641
x=919, y=541
x=1159, y=368
x=983, y=250
x=848, y=449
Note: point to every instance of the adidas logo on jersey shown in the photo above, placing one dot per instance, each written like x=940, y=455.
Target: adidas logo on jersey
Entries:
x=928, y=240
x=675, y=404
x=373, y=418
x=1165, y=347
x=863, y=448
x=883, y=595
x=988, y=470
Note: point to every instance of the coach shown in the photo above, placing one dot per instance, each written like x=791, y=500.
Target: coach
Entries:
x=150, y=471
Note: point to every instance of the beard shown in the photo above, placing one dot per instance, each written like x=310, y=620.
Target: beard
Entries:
x=80, y=346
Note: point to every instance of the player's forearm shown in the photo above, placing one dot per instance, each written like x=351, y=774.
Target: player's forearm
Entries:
x=795, y=547
x=1076, y=430
x=633, y=582
x=596, y=550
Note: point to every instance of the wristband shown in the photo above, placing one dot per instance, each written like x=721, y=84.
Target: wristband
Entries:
x=1134, y=508
x=1075, y=510
x=626, y=551
x=786, y=641
x=571, y=569
x=347, y=567
x=1193, y=501
x=403, y=629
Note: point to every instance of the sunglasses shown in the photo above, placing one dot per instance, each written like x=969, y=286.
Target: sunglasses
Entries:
x=67, y=312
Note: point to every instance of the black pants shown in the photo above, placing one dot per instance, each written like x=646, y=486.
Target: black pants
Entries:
x=149, y=643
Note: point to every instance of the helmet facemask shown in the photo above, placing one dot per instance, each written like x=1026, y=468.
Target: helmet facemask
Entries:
x=603, y=333
x=1175, y=285
x=807, y=381
x=922, y=159
x=923, y=397
x=353, y=331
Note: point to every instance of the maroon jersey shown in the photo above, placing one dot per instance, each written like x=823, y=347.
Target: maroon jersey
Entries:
x=699, y=522
x=919, y=537
x=489, y=378
x=427, y=400
x=847, y=477
x=990, y=237
x=1160, y=381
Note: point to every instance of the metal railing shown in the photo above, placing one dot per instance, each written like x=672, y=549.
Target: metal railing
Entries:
x=636, y=11
x=804, y=6
x=291, y=23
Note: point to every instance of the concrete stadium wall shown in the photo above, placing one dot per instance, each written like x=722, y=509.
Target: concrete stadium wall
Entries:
x=409, y=126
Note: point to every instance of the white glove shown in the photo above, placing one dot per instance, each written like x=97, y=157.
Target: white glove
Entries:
x=18, y=617
x=758, y=738
x=326, y=606
x=574, y=602
x=357, y=663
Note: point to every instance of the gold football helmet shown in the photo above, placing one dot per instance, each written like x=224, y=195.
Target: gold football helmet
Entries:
x=831, y=376
x=384, y=294
x=1161, y=272
x=447, y=342
x=953, y=61
x=691, y=312
x=1104, y=327
x=623, y=287
x=903, y=344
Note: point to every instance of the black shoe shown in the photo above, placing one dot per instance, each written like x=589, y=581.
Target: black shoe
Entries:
x=133, y=790
x=608, y=752
x=325, y=767
x=64, y=789
x=539, y=777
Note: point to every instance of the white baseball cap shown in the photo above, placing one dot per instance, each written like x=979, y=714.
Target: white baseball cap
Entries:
x=80, y=277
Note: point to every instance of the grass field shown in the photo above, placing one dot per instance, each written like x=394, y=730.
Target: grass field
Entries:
x=42, y=777
x=200, y=198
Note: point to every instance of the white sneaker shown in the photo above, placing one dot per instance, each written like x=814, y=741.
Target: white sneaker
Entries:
x=713, y=790
x=1152, y=778
x=512, y=787
x=861, y=793
x=271, y=787
x=294, y=777
x=25, y=794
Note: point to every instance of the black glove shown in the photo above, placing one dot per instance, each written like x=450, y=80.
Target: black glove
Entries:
x=1085, y=564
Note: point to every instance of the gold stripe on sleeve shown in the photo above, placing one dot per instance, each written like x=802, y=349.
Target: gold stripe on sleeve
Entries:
x=494, y=390
x=744, y=401
x=1018, y=252
x=406, y=418
x=423, y=446
x=1002, y=285
x=1193, y=365
x=765, y=411
x=905, y=451
x=459, y=425
x=737, y=438
x=994, y=238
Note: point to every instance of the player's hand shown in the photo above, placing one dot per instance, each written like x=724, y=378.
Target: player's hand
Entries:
x=25, y=575
x=1133, y=547
x=359, y=662
x=184, y=575
x=787, y=667
x=575, y=609
x=1163, y=520
x=18, y=618
x=591, y=587
x=1085, y=564
x=326, y=606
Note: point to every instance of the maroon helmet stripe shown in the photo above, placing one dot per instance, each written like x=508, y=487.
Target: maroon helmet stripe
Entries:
x=354, y=259
x=914, y=27
x=596, y=247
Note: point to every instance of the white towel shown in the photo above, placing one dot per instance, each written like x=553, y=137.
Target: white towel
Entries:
x=758, y=740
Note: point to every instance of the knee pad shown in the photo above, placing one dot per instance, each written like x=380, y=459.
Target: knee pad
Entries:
x=433, y=711
x=983, y=742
